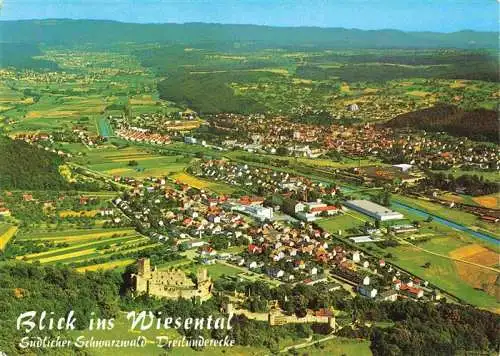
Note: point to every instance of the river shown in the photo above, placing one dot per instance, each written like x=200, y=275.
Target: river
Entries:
x=448, y=223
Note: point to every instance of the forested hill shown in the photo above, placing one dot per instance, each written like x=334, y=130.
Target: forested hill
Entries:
x=20, y=55
x=23, y=166
x=480, y=124
x=106, y=32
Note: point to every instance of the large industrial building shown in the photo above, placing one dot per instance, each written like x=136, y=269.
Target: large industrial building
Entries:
x=376, y=211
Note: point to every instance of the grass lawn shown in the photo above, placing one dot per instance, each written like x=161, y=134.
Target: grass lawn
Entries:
x=343, y=222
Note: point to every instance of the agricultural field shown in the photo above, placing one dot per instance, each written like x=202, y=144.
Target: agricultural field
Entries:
x=137, y=162
x=196, y=182
x=491, y=201
x=473, y=284
x=149, y=166
x=79, y=246
x=113, y=265
x=7, y=232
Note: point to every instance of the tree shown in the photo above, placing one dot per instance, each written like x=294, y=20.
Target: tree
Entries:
x=133, y=163
x=281, y=151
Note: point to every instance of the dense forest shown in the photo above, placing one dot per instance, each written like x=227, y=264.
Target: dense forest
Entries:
x=209, y=93
x=23, y=166
x=20, y=55
x=26, y=287
x=251, y=36
x=427, y=329
x=480, y=124
x=480, y=69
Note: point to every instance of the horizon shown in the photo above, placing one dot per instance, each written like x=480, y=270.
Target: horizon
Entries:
x=247, y=24
x=408, y=16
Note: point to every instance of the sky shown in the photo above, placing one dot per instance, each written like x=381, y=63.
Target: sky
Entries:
x=407, y=15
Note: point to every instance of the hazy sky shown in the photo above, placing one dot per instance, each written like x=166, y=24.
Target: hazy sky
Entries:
x=414, y=15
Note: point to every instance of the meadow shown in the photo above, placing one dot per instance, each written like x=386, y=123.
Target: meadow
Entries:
x=343, y=222
x=472, y=284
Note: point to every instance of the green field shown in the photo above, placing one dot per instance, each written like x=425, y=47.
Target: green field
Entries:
x=154, y=166
x=343, y=222
x=442, y=272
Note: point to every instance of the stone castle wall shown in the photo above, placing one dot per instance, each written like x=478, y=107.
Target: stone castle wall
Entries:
x=172, y=284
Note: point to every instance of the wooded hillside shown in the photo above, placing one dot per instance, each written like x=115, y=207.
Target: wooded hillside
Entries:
x=23, y=166
x=480, y=124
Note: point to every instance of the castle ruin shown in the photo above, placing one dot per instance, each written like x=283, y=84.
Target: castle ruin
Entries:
x=171, y=284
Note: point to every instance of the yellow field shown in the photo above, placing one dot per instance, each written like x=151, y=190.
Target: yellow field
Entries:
x=106, y=266
x=301, y=81
x=476, y=276
x=488, y=201
x=191, y=181
x=418, y=93
x=85, y=236
x=453, y=197
x=80, y=253
x=344, y=88
x=280, y=71
x=55, y=113
x=62, y=249
x=118, y=171
x=68, y=255
x=458, y=84
x=72, y=213
x=477, y=254
x=6, y=236
x=142, y=100
x=65, y=171
x=5, y=107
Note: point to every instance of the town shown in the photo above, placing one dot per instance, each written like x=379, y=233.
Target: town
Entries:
x=285, y=189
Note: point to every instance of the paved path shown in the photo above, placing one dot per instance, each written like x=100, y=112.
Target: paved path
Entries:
x=307, y=343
